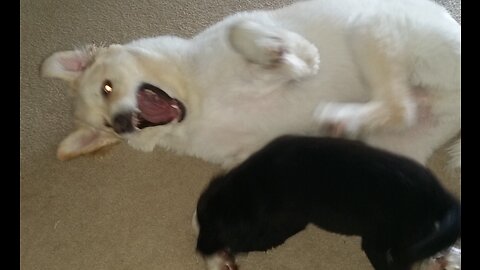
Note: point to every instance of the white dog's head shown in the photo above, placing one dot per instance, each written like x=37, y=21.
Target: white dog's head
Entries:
x=118, y=91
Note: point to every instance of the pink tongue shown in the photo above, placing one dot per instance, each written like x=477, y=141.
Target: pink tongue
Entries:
x=154, y=108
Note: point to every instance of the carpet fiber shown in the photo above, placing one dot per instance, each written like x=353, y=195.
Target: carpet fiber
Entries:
x=126, y=209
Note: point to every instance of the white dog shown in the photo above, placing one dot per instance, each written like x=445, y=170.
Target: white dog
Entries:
x=384, y=71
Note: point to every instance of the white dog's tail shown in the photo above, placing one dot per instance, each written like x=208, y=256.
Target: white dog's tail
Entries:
x=454, y=152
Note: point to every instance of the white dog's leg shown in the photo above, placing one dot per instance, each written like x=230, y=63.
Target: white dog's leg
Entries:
x=146, y=140
x=277, y=50
x=351, y=119
x=381, y=58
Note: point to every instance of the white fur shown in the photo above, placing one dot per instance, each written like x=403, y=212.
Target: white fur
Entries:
x=216, y=262
x=449, y=259
x=257, y=75
x=455, y=152
x=195, y=225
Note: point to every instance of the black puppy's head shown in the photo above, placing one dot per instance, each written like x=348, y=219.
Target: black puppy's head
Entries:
x=211, y=209
x=241, y=212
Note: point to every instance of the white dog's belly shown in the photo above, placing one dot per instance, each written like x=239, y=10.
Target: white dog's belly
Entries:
x=239, y=116
x=227, y=136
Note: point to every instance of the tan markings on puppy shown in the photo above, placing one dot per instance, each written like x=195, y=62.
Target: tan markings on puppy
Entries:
x=221, y=260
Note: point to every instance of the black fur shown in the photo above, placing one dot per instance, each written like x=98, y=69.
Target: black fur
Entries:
x=396, y=205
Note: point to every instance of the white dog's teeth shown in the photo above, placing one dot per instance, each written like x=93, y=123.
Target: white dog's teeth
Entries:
x=150, y=92
x=135, y=120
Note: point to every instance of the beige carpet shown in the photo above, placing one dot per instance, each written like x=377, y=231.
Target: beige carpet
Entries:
x=127, y=209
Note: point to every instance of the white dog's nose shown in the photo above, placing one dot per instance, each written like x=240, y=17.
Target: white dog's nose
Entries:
x=122, y=123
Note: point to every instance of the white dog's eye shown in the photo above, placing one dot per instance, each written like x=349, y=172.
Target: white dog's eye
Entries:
x=107, y=88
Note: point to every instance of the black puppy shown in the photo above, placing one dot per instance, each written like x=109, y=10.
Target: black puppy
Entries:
x=397, y=206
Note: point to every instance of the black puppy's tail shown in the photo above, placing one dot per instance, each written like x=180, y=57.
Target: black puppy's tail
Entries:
x=447, y=233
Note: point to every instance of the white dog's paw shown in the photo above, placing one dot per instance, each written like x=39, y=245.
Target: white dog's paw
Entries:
x=340, y=119
x=269, y=51
x=300, y=63
x=275, y=48
x=140, y=144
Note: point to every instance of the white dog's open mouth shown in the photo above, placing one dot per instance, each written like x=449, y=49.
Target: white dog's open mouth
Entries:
x=157, y=107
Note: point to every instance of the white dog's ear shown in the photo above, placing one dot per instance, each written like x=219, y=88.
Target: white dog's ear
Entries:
x=83, y=141
x=66, y=65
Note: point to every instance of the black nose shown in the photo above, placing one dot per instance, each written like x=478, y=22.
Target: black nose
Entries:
x=122, y=123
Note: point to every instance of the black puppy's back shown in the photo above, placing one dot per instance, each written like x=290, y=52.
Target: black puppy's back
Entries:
x=339, y=185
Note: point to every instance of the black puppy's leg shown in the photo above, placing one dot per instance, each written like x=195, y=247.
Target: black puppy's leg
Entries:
x=377, y=255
